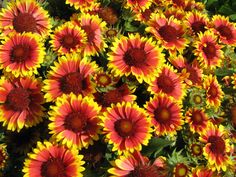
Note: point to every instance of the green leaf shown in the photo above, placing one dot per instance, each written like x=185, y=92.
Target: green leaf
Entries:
x=210, y=3
x=224, y=72
x=233, y=17
x=156, y=145
x=89, y=173
x=226, y=10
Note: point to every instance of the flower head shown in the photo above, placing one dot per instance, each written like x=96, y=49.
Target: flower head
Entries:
x=51, y=160
x=74, y=120
x=126, y=126
x=21, y=54
x=21, y=102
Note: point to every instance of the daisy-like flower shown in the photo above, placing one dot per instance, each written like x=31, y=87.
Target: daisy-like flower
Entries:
x=25, y=16
x=135, y=55
x=70, y=74
x=108, y=14
x=168, y=31
x=126, y=126
x=197, y=22
x=94, y=29
x=117, y=95
x=21, y=102
x=138, y=4
x=74, y=120
x=180, y=170
x=168, y=82
x=214, y=93
x=176, y=12
x=51, y=160
x=202, y=172
x=3, y=155
x=225, y=29
x=83, y=5
x=208, y=51
x=217, y=147
x=135, y=165
x=196, y=149
x=165, y=114
x=68, y=38
x=144, y=16
x=197, y=119
x=197, y=97
x=21, y=54
x=104, y=79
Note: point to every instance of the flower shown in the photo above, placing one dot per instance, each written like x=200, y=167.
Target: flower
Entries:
x=126, y=126
x=94, y=29
x=217, y=147
x=197, y=97
x=135, y=55
x=214, y=94
x=21, y=102
x=180, y=170
x=197, y=22
x=69, y=74
x=83, y=5
x=3, y=155
x=208, y=51
x=25, y=16
x=108, y=14
x=140, y=5
x=135, y=165
x=196, y=149
x=165, y=114
x=21, y=54
x=168, y=31
x=197, y=119
x=68, y=38
x=104, y=79
x=202, y=172
x=51, y=160
x=225, y=29
x=167, y=81
x=74, y=120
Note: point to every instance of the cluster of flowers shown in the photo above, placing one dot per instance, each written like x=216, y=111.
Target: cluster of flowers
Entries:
x=97, y=77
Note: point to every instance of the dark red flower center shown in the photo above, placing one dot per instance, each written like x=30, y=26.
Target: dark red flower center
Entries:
x=144, y=171
x=89, y=32
x=73, y=82
x=24, y=22
x=162, y=115
x=69, y=41
x=225, y=31
x=197, y=117
x=168, y=33
x=181, y=170
x=147, y=14
x=198, y=26
x=217, y=144
x=124, y=127
x=20, y=53
x=54, y=167
x=18, y=99
x=75, y=122
x=209, y=50
x=135, y=57
x=165, y=83
x=213, y=91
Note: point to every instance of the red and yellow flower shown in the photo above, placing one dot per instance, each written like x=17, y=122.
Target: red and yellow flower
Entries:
x=214, y=93
x=181, y=170
x=168, y=31
x=169, y=82
x=202, y=172
x=68, y=38
x=104, y=79
x=135, y=55
x=197, y=22
x=196, y=149
x=83, y=5
x=21, y=54
x=217, y=147
x=135, y=165
x=74, y=120
x=165, y=114
x=94, y=29
x=225, y=29
x=126, y=126
x=25, y=16
x=197, y=119
x=51, y=160
x=208, y=51
x=70, y=74
x=140, y=5
x=21, y=102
